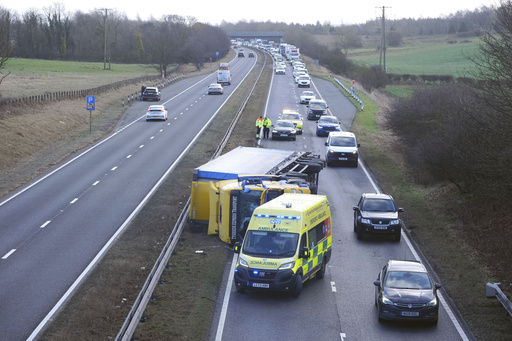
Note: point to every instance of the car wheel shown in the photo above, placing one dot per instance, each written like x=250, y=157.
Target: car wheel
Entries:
x=297, y=288
x=355, y=224
x=321, y=273
x=355, y=163
x=359, y=234
x=398, y=237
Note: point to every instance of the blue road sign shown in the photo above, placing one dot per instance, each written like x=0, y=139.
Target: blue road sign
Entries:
x=91, y=103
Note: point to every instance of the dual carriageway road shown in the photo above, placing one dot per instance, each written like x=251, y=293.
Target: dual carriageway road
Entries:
x=56, y=228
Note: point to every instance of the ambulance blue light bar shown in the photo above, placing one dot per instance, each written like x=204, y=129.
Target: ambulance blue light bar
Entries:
x=260, y=215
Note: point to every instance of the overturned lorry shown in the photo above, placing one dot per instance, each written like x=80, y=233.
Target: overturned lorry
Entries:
x=226, y=190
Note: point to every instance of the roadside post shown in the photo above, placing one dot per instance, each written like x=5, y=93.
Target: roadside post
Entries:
x=91, y=104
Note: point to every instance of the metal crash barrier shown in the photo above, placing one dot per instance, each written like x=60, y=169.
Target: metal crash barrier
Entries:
x=494, y=290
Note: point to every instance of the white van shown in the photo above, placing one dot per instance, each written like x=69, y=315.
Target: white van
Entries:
x=224, y=77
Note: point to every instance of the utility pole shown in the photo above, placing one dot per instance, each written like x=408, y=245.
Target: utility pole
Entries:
x=383, y=42
x=105, y=37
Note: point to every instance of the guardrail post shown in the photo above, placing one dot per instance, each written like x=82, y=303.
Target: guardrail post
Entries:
x=494, y=290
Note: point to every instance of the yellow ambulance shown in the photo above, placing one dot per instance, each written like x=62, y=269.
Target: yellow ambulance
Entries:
x=287, y=242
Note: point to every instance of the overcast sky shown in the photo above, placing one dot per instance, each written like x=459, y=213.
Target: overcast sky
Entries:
x=298, y=11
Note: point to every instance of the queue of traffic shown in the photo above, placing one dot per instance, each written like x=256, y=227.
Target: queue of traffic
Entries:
x=288, y=240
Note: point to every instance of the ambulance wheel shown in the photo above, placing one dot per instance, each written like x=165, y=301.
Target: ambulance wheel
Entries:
x=321, y=273
x=297, y=288
x=239, y=289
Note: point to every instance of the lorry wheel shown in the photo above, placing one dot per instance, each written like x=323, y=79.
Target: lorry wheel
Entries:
x=297, y=289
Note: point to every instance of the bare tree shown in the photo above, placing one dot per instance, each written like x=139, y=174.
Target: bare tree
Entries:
x=6, y=44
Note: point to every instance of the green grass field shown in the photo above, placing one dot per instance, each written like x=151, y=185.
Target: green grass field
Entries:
x=432, y=57
x=39, y=67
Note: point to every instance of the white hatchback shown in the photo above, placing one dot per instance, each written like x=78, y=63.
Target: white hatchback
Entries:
x=156, y=112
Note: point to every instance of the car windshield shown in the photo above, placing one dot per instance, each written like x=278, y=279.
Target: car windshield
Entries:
x=270, y=244
x=284, y=124
x=317, y=105
x=328, y=119
x=379, y=205
x=307, y=93
x=407, y=280
x=291, y=117
x=343, y=141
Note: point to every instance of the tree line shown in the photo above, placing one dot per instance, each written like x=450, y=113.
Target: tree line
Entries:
x=106, y=35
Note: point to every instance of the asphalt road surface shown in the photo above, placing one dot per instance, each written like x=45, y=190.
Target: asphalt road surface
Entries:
x=341, y=305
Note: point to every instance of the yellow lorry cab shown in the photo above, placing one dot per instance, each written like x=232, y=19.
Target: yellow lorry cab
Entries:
x=287, y=242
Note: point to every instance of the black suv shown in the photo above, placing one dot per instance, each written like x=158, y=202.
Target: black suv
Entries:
x=316, y=108
x=377, y=214
x=151, y=93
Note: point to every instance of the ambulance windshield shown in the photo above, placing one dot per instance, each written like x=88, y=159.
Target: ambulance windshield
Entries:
x=270, y=244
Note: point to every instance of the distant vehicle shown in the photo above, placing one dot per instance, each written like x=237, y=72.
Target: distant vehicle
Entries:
x=284, y=129
x=280, y=70
x=151, y=93
x=215, y=88
x=317, y=108
x=405, y=290
x=341, y=147
x=251, y=54
x=293, y=116
x=377, y=214
x=224, y=77
x=241, y=54
x=327, y=124
x=304, y=81
x=224, y=66
x=307, y=96
x=156, y=112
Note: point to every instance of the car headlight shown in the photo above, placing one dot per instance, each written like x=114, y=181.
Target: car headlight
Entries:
x=394, y=222
x=294, y=131
x=354, y=152
x=432, y=303
x=386, y=300
x=320, y=126
x=287, y=266
x=366, y=221
x=243, y=262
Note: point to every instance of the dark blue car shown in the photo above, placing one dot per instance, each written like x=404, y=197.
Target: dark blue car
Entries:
x=327, y=124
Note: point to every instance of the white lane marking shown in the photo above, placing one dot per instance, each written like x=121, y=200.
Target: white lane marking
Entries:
x=141, y=146
x=225, y=302
x=45, y=224
x=114, y=168
x=95, y=183
x=74, y=200
x=333, y=286
x=129, y=156
x=8, y=254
